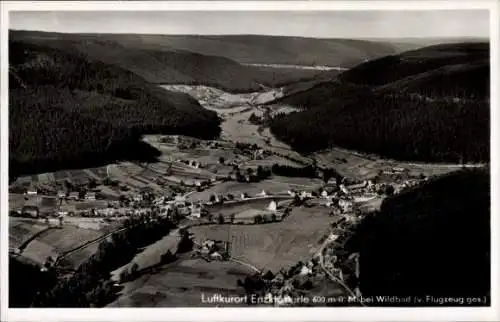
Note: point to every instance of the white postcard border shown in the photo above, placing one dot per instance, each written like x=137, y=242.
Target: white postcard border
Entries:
x=251, y=314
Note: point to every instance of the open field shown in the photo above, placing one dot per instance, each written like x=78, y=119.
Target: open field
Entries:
x=357, y=166
x=298, y=182
x=77, y=176
x=275, y=245
x=244, y=209
x=182, y=283
x=56, y=241
x=21, y=229
x=270, y=161
x=140, y=177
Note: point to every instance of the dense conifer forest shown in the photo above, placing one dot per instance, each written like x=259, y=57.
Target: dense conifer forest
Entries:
x=430, y=104
x=67, y=110
x=433, y=240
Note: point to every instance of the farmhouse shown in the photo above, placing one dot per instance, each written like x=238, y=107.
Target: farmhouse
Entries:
x=74, y=195
x=305, y=194
x=204, y=250
x=346, y=205
x=165, y=212
x=159, y=200
x=333, y=237
x=31, y=211
x=356, y=186
x=216, y=256
x=179, y=199
x=305, y=270
x=31, y=192
x=90, y=196
x=344, y=189
x=139, y=211
x=332, y=183
x=183, y=211
x=272, y=206
x=262, y=194
x=208, y=243
x=196, y=211
x=105, y=211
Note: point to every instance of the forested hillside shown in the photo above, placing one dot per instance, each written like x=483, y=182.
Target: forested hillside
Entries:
x=430, y=104
x=434, y=240
x=412, y=63
x=261, y=49
x=169, y=66
x=66, y=110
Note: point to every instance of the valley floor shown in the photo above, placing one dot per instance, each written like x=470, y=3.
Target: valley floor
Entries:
x=192, y=171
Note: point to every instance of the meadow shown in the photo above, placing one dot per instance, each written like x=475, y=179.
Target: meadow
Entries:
x=275, y=245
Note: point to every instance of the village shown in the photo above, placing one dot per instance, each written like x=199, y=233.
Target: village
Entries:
x=341, y=197
x=211, y=185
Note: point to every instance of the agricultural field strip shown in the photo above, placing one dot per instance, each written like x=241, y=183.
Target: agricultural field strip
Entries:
x=25, y=244
x=86, y=244
x=395, y=163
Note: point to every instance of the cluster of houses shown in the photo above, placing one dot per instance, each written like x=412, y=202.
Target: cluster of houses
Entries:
x=213, y=250
x=72, y=195
x=260, y=154
x=178, y=205
x=192, y=163
x=75, y=195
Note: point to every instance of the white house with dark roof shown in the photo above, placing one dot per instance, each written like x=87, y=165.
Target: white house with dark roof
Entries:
x=262, y=194
x=272, y=206
x=74, y=195
x=31, y=192
x=90, y=196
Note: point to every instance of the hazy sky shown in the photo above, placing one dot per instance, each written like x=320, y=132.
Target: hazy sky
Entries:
x=352, y=24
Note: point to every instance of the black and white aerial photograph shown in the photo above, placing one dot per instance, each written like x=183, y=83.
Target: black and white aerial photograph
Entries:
x=248, y=158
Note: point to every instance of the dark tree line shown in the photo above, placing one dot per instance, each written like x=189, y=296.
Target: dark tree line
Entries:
x=69, y=111
x=289, y=171
x=396, y=127
x=431, y=241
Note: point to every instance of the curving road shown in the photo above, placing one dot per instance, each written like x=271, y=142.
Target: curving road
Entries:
x=333, y=277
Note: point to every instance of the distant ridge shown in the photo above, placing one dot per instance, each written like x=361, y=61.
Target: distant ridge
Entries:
x=251, y=48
